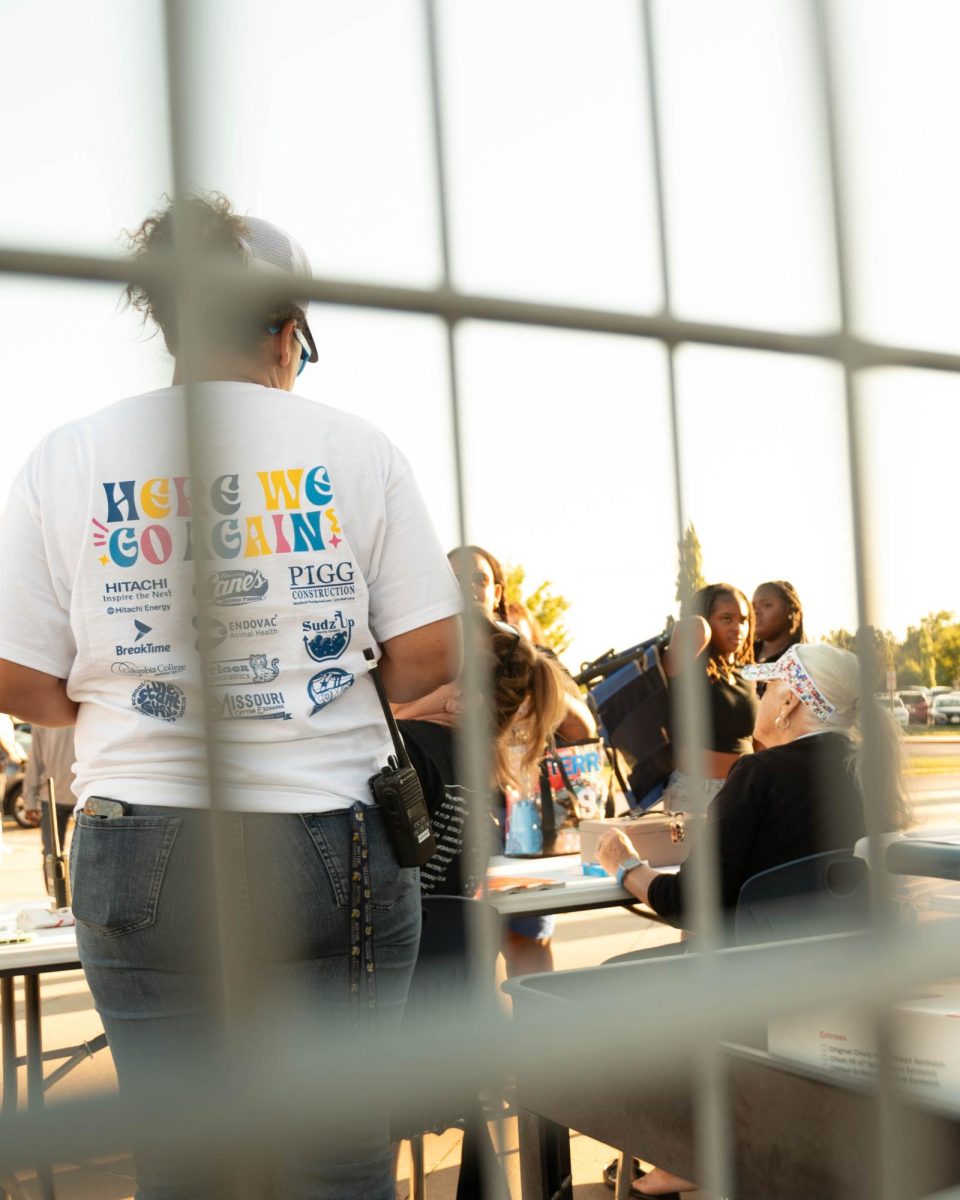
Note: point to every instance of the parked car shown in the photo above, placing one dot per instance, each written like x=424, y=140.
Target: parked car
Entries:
x=946, y=709
x=918, y=705
x=897, y=707
x=13, y=797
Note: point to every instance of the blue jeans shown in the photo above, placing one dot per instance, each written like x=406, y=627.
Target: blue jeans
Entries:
x=143, y=899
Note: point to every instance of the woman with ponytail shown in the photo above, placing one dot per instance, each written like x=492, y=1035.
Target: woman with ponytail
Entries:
x=525, y=703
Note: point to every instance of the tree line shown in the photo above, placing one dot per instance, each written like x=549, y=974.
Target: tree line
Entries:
x=929, y=655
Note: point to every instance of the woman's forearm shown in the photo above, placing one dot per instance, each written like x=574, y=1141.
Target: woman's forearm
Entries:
x=35, y=696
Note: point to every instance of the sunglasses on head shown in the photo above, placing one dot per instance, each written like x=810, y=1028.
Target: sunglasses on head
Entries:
x=304, y=344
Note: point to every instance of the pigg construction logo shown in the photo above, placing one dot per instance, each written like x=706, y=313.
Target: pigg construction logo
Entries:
x=321, y=583
x=164, y=701
x=228, y=588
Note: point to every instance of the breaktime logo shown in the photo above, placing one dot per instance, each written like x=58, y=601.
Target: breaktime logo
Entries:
x=154, y=522
x=320, y=583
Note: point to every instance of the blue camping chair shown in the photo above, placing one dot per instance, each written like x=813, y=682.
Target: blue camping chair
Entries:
x=809, y=897
x=448, y=975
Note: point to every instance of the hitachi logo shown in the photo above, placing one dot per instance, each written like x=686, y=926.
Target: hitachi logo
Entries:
x=124, y=586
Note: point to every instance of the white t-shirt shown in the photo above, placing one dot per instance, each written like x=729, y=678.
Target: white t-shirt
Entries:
x=317, y=545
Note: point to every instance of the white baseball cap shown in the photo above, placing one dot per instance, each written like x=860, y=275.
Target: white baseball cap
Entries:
x=270, y=248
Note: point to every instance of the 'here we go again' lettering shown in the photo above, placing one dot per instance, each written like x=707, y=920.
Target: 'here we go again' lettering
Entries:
x=155, y=519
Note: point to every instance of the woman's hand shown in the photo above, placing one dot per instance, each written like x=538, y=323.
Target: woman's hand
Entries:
x=614, y=846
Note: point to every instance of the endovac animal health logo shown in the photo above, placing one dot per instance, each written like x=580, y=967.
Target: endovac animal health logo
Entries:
x=228, y=588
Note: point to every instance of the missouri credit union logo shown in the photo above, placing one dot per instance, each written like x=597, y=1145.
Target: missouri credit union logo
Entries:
x=228, y=588
x=249, y=706
x=320, y=583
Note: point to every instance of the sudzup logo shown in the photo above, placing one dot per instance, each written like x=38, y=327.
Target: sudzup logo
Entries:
x=330, y=637
x=165, y=701
x=227, y=588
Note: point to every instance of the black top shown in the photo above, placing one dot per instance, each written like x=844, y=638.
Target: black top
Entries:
x=777, y=805
x=433, y=754
x=733, y=711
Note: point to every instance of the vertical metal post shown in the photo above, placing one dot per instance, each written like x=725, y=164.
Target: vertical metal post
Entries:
x=692, y=705
x=893, y=1177
x=473, y=746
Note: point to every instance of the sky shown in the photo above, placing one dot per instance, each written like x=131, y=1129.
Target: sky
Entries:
x=317, y=117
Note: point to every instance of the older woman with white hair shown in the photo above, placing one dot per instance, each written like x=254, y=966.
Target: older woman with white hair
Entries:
x=802, y=794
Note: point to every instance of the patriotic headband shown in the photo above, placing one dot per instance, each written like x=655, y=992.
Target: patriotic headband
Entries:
x=791, y=671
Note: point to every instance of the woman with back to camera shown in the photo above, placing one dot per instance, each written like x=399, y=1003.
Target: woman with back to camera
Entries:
x=800, y=795
x=316, y=547
x=778, y=620
x=527, y=947
x=718, y=633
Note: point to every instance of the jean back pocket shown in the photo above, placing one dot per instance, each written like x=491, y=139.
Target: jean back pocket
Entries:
x=117, y=868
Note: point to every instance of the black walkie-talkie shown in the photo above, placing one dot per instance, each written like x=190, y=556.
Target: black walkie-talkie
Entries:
x=397, y=791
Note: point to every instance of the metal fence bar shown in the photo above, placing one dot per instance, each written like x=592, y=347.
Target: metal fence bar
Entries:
x=692, y=701
x=473, y=744
x=456, y=305
x=893, y=1176
x=196, y=296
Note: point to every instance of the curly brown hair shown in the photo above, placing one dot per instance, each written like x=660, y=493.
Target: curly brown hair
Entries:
x=238, y=325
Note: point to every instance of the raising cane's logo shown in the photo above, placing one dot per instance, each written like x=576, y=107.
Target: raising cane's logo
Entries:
x=228, y=588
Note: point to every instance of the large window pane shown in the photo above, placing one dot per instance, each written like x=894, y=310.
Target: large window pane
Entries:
x=900, y=110
x=83, y=119
x=315, y=115
x=548, y=150
x=911, y=424
x=748, y=206
x=765, y=476
x=67, y=351
x=569, y=473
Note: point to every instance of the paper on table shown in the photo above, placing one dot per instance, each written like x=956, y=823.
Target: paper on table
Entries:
x=522, y=883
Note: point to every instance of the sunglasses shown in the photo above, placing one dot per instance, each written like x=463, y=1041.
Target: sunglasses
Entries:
x=503, y=627
x=305, y=351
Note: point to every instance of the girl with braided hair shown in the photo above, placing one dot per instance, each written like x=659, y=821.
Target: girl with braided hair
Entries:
x=778, y=617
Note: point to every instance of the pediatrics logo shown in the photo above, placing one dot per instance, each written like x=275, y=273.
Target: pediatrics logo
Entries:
x=225, y=589
x=149, y=523
x=255, y=668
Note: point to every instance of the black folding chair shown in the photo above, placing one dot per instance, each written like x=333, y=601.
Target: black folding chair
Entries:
x=808, y=897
